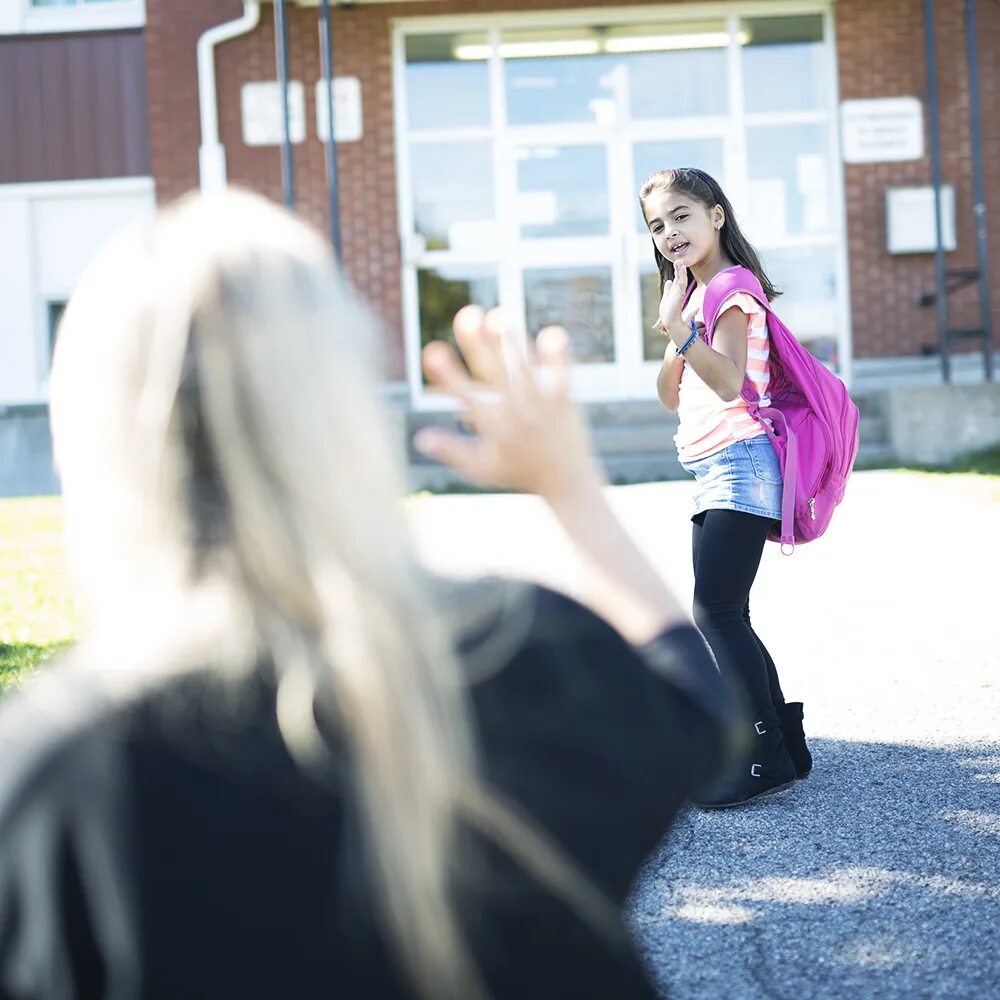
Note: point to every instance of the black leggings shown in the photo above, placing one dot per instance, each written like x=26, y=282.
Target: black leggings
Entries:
x=727, y=546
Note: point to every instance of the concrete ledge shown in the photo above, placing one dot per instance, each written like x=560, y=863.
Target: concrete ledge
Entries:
x=934, y=425
x=26, y=452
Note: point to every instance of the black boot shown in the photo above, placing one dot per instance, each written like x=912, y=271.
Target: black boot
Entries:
x=790, y=717
x=766, y=767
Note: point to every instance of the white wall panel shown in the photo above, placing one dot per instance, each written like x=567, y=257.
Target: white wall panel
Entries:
x=48, y=235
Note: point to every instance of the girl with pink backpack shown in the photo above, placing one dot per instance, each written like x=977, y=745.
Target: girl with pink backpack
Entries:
x=768, y=433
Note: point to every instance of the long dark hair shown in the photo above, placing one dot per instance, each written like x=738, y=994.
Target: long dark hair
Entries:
x=705, y=189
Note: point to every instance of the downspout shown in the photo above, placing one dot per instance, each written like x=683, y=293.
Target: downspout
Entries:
x=211, y=153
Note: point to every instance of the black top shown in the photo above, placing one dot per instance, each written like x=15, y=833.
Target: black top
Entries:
x=169, y=847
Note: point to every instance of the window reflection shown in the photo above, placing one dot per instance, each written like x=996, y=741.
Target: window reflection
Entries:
x=788, y=188
x=779, y=50
x=453, y=194
x=654, y=343
x=583, y=74
x=674, y=70
x=807, y=279
x=578, y=299
x=705, y=154
x=808, y=305
x=678, y=84
x=443, y=291
x=562, y=191
x=544, y=90
x=443, y=91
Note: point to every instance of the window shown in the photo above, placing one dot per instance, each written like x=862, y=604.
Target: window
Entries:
x=452, y=191
x=68, y=3
x=41, y=16
x=562, y=190
x=523, y=148
x=777, y=50
x=444, y=88
x=54, y=310
x=574, y=74
x=580, y=300
x=443, y=291
x=788, y=169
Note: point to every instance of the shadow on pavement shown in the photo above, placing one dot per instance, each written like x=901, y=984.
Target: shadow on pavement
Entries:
x=877, y=877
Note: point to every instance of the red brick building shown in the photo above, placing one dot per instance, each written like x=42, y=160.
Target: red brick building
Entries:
x=499, y=149
x=795, y=63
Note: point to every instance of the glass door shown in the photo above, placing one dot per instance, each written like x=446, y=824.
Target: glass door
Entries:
x=708, y=152
x=521, y=152
x=566, y=270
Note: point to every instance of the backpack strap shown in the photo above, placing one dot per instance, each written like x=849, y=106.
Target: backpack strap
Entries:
x=789, y=474
x=720, y=288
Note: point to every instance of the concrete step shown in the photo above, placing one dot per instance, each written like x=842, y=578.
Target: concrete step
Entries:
x=869, y=403
x=873, y=428
x=643, y=467
x=435, y=478
x=622, y=468
x=628, y=411
x=628, y=439
x=875, y=456
x=633, y=439
x=617, y=414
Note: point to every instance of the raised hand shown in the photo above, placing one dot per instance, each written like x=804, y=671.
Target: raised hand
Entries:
x=530, y=435
x=672, y=300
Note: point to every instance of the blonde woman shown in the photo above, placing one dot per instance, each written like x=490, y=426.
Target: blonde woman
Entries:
x=288, y=762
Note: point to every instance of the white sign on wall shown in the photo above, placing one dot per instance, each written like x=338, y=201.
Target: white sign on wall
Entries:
x=909, y=213
x=347, y=117
x=263, y=123
x=882, y=130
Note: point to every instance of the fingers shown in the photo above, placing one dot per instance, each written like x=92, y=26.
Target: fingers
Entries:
x=501, y=359
x=479, y=338
x=554, y=354
x=465, y=455
x=513, y=348
x=444, y=372
x=468, y=318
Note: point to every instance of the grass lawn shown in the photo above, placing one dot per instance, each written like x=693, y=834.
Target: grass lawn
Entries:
x=37, y=612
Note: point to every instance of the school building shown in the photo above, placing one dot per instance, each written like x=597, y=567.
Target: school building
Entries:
x=491, y=152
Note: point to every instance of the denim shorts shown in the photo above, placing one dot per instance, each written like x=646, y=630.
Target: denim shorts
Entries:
x=743, y=476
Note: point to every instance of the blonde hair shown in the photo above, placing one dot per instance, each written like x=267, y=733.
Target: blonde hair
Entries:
x=232, y=490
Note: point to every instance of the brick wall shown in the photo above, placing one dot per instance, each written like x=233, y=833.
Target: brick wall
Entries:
x=881, y=54
x=880, y=50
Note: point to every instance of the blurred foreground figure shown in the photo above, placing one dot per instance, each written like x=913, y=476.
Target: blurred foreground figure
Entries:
x=288, y=762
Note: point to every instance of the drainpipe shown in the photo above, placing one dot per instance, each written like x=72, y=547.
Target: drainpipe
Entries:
x=211, y=153
x=332, y=181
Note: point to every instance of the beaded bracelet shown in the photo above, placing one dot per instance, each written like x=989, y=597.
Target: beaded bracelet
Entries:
x=691, y=339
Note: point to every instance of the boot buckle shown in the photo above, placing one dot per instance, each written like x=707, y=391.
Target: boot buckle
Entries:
x=755, y=771
x=760, y=728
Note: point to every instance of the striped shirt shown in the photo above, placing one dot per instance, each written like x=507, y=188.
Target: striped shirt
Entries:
x=708, y=423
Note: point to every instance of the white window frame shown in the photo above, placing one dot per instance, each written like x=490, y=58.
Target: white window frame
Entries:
x=638, y=376
x=103, y=16
x=41, y=292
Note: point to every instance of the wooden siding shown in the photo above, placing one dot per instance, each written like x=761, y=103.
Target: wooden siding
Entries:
x=73, y=107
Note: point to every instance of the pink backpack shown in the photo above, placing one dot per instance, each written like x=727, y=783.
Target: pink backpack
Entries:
x=812, y=421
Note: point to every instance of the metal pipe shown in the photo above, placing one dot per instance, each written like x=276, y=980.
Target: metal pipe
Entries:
x=281, y=47
x=979, y=197
x=930, y=53
x=332, y=180
x=211, y=152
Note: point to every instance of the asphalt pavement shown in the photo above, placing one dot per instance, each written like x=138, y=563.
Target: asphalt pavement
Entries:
x=879, y=875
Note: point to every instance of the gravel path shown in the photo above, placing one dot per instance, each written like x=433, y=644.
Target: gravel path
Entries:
x=879, y=876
